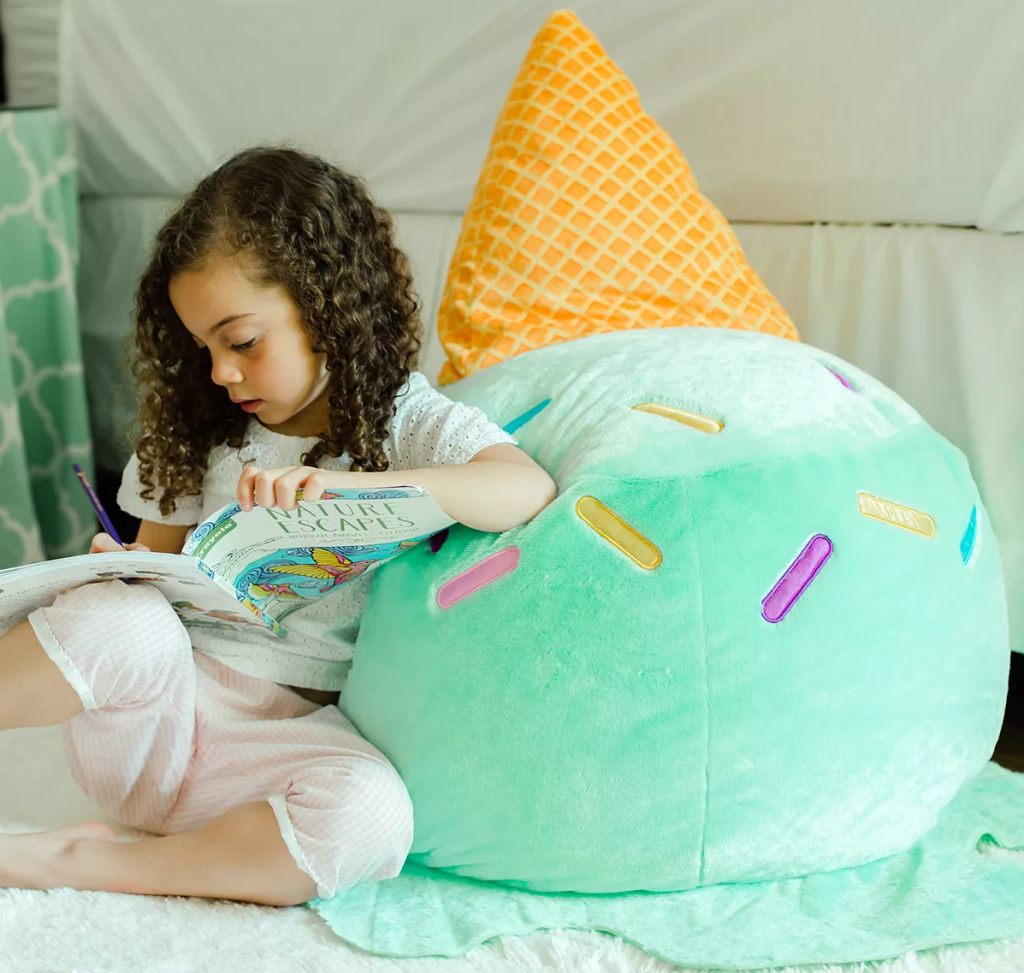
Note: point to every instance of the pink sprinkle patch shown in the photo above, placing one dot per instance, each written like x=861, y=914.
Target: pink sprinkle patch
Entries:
x=478, y=576
x=798, y=576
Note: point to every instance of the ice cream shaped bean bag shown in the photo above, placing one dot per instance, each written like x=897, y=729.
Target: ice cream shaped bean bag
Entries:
x=760, y=633
x=762, y=630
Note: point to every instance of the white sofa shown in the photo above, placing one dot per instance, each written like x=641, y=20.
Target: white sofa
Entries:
x=872, y=160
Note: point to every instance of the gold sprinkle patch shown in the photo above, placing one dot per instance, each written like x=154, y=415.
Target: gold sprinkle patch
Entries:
x=693, y=419
x=893, y=513
x=618, y=533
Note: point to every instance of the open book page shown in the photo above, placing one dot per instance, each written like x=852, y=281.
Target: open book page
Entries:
x=280, y=559
x=196, y=597
x=247, y=570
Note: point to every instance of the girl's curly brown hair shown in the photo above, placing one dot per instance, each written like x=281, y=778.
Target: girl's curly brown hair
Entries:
x=314, y=230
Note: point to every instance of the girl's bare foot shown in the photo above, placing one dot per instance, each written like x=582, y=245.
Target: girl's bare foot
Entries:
x=32, y=861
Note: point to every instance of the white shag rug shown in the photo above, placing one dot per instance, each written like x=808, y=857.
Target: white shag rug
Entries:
x=97, y=932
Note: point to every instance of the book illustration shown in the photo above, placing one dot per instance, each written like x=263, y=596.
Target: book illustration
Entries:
x=229, y=513
x=133, y=573
x=214, y=618
x=281, y=560
x=253, y=617
x=205, y=530
x=374, y=495
x=281, y=581
x=236, y=559
x=322, y=567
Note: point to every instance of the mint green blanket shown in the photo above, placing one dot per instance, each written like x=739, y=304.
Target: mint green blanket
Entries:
x=954, y=886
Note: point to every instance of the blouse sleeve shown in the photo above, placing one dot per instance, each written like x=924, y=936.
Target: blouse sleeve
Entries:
x=186, y=512
x=429, y=429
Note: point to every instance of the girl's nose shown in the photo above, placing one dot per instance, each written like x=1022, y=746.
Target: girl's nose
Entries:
x=224, y=373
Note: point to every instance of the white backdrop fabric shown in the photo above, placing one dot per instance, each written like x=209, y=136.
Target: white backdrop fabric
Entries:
x=788, y=111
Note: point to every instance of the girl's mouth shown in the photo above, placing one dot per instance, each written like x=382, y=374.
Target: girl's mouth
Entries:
x=251, y=405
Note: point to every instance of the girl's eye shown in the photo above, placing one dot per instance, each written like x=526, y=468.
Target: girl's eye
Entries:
x=244, y=347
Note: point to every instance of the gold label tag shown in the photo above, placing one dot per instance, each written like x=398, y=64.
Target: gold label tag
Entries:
x=618, y=533
x=692, y=419
x=893, y=513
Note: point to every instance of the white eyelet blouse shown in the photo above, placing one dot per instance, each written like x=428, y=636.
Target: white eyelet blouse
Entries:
x=427, y=429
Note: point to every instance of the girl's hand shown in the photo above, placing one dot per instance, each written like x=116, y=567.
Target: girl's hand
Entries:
x=276, y=488
x=105, y=544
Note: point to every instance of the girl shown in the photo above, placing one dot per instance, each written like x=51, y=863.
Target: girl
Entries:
x=276, y=333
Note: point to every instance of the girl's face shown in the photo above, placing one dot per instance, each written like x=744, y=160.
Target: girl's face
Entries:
x=259, y=350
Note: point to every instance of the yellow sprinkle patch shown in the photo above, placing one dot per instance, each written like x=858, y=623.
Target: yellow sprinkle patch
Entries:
x=618, y=533
x=893, y=513
x=694, y=419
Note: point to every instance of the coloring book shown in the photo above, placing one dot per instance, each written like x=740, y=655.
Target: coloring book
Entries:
x=248, y=568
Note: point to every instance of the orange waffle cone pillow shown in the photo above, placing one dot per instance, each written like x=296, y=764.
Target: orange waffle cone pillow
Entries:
x=587, y=219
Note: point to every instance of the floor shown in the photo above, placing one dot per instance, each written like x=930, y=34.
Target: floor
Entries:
x=1010, y=748
x=65, y=931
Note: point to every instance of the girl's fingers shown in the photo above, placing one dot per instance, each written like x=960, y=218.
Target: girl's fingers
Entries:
x=245, y=494
x=277, y=488
x=284, y=494
x=287, y=485
x=264, y=491
x=313, y=486
x=256, y=486
x=103, y=543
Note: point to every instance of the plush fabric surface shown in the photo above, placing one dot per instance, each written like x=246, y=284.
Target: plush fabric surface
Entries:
x=956, y=885
x=583, y=723
x=587, y=219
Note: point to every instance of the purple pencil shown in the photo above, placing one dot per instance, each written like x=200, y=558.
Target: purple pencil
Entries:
x=95, y=500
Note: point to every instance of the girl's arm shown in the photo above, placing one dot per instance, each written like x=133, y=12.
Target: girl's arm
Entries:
x=162, y=538
x=165, y=538
x=498, y=489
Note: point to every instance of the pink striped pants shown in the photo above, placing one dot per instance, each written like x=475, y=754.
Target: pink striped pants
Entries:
x=170, y=739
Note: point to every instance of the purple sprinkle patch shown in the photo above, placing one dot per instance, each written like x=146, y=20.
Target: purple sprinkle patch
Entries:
x=488, y=570
x=437, y=540
x=845, y=381
x=798, y=576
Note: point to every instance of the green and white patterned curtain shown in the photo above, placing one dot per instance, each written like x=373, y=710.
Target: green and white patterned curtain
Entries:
x=44, y=425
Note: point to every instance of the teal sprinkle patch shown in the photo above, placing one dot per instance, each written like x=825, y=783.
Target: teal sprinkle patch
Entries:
x=967, y=541
x=522, y=420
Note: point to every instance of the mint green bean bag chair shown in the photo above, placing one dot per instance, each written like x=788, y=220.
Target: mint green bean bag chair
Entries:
x=761, y=633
